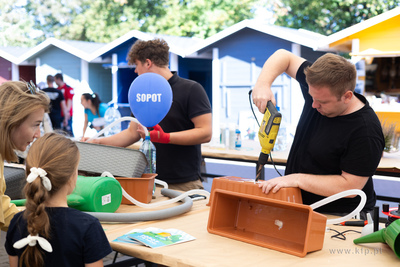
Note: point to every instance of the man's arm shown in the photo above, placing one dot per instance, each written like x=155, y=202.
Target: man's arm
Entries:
x=65, y=112
x=85, y=124
x=69, y=105
x=123, y=139
x=282, y=61
x=324, y=185
x=201, y=133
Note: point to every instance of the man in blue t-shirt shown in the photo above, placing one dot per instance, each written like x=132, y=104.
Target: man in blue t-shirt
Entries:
x=338, y=142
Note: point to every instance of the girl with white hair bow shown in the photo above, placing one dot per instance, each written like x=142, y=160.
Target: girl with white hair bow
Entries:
x=48, y=232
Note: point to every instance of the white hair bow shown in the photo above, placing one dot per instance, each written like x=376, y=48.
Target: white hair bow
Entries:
x=39, y=172
x=31, y=241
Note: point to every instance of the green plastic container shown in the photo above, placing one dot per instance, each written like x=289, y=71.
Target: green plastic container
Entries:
x=97, y=194
x=94, y=194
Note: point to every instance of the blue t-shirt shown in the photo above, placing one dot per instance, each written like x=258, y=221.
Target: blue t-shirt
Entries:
x=102, y=110
x=76, y=238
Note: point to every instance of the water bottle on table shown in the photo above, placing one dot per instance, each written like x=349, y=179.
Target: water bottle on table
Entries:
x=149, y=150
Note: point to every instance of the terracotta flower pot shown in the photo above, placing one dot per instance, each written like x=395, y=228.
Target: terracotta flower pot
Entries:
x=140, y=188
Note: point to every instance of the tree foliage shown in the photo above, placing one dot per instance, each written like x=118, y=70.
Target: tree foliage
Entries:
x=29, y=22
x=15, y=24
x=328, y=16
x=199, y=18
x=106, y=20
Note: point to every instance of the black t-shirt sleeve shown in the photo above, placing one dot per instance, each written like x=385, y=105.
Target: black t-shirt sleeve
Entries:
x=363, y=155
x=301, y=78
x=96, y=243
x=198, y=102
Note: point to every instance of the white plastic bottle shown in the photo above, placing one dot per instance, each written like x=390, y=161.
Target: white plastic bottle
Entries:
x=112, y=114
x=238, y=140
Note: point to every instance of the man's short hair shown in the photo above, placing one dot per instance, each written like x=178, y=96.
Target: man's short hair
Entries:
x=156, y=50
x=50, y=78
x=59, y=76
x=334, y=72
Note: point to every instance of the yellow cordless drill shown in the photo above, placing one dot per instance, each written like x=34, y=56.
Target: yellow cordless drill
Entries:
x=267, y=134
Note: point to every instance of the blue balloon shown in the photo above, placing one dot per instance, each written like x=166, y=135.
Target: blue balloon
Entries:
x=150, y=98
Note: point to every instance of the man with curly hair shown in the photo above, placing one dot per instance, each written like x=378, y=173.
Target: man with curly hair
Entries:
x=178, y=137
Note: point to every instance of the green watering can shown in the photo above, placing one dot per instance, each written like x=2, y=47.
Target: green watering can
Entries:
x=390, y=235
x=94, y=194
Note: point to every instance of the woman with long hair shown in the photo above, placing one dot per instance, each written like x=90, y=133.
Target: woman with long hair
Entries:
x=22, y=108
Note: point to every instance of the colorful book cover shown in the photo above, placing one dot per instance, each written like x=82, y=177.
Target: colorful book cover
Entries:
x=155, y=237
x=125, y=239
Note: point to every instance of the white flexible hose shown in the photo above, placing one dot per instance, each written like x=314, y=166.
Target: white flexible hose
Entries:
x=127, y=118
x=161, y=203
x=166, y=202
x=161, y=182
x=334, y=197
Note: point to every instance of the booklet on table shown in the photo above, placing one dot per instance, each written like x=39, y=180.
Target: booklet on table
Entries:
x=155, y=237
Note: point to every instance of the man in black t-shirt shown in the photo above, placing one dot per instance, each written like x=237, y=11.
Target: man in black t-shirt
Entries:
x=57, y=103
x=338, y=142
x=178, y=137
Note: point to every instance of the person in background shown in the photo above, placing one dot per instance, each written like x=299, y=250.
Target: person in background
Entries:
x=178, y=137
x=68, y=93
x=338, y=142
x=48, y=232
x=94, y=111
x=21, y=112
x=57, y=105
